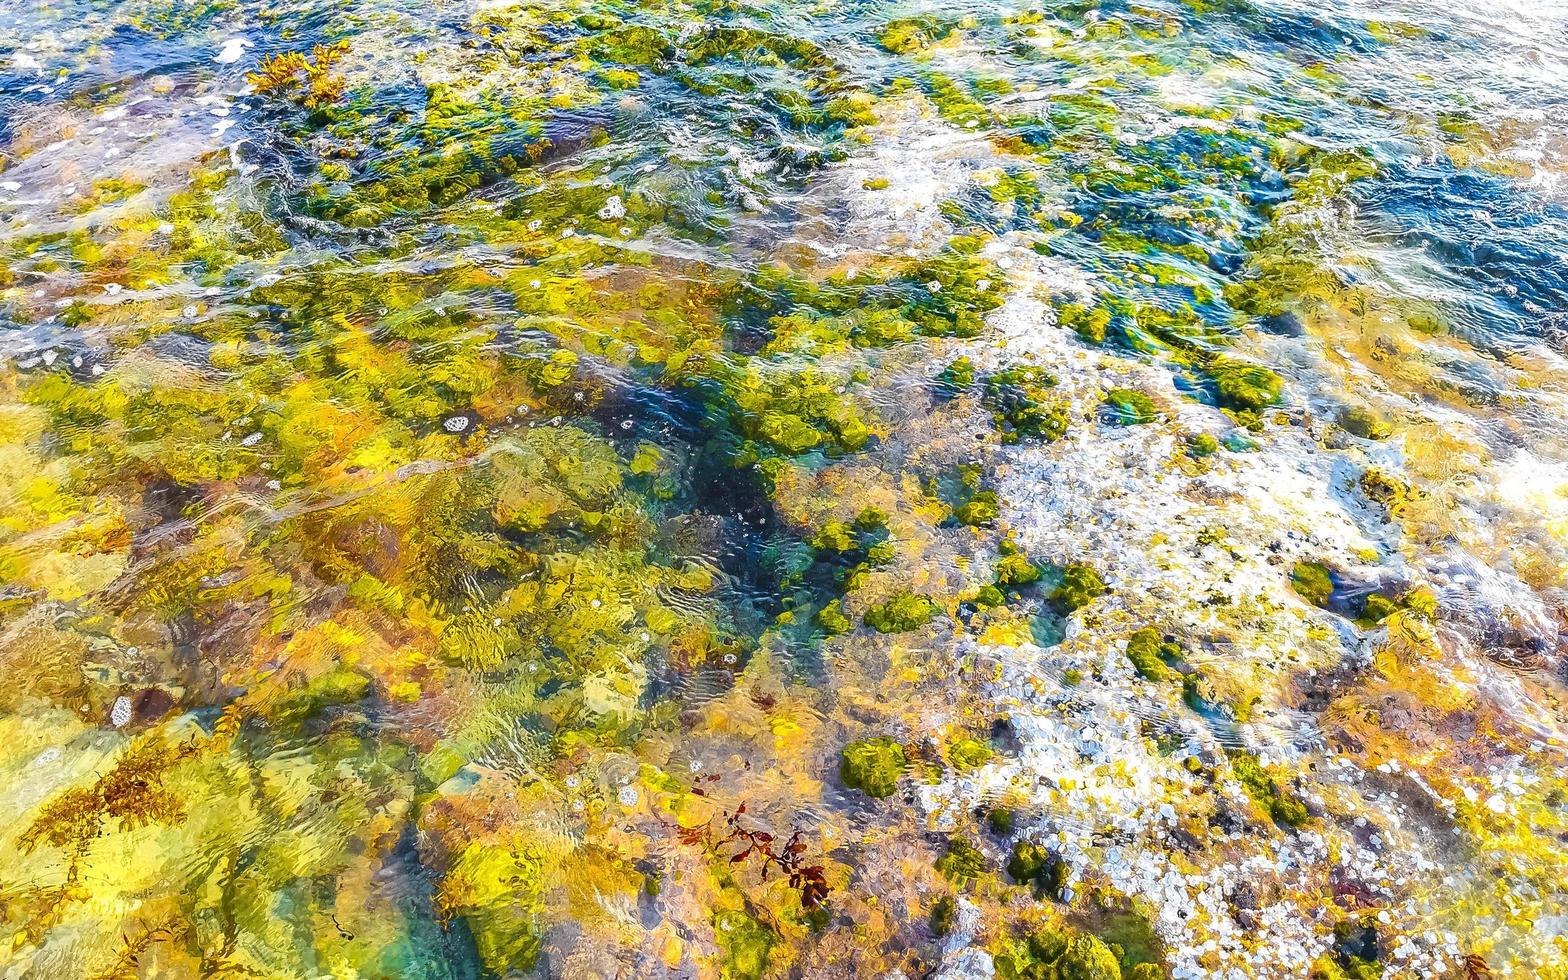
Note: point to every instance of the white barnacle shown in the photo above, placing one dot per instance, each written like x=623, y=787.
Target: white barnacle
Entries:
x=457, y=423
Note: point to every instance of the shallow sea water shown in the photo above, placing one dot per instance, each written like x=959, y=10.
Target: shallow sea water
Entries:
x=730, y=489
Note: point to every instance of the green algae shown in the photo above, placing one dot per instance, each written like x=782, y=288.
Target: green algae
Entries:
x=980, y=510
x=1014, y=569
x=496, y=892
x=1022, y=406
x=832, y=619
x=1090, y=323
x=944, y=914
x=1127, y=406
x=911, y=34
x=1202, y=444
x=1285, y=808
x=747, y=944
x=400, y=563
x=1000, y=820
x=967, y=754
x=1151, y=656
x=1313, y=582
x=1394, y=495
x=1244, y=386
x=957, y=377
x=1377, y=607
x=962, y=861
x=1364, y=423
x=963, y=493
x=1080, y=585
x=1061, y=954
x=1032, y=864
x=873, y=766
x=901, y=613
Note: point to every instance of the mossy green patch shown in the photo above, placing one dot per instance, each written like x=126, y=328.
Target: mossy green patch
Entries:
x=1363, y=423
x=1032, y=864
x=1151, y=656
x=901, y=613
x=1243, y=385
x=1080, y=585
x=1022, y=406
x=1127, y=406
x=1059, y=954
x=967, y=754
x=1285, y=808
x=907, y=35
x=873, y=766
x=962, y=861
x=1313, y=582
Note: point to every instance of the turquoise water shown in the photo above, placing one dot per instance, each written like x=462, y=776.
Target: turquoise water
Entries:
x=757, y=489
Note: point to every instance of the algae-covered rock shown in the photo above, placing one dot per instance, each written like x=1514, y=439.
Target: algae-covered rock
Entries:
x=957, y=377
x=963, y=861
x=1202, y=444
x=1357, y=954
x=1022, y=406
x=1375, y=608
x=496, y=890
x=944, y=913
x=747, y=944
x=872, y=766
x=1394, y=494
x=1000, y=820
x=989, y=597
x=1080, y=585
x=902, y=613
x=1285, y=808
x=1087, y=958
x=1127, y=406
x=967, y=754
x=832, y=619
x=1087, y=322
x=1059, y=954
x=910, y=34
x=1243, y=385
x=1014, y=569
x=1149, y=654
x=1313, y=582
x=1364, y=423
x=1032, y=864
x=978, y=511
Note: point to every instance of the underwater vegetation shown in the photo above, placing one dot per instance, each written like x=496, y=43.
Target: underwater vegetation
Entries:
x=741, y=489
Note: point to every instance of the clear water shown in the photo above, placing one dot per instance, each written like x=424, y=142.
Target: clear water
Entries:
x=759, y=489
